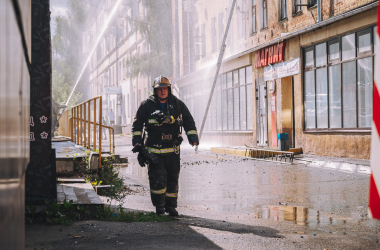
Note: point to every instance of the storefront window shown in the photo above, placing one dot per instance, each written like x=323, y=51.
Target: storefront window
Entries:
x=309, y=99
x=229, y=80
x=348, y=47
x=349, y=95
x=320, y=55
x=338, y=82
x=243, y=109
x=335, y=99
x=236, y=109
x=334, y=51
x=364, y=42
x=249, y=106
x=230, y=110
x=365, y=90
x=231, y=105
x=322, y=98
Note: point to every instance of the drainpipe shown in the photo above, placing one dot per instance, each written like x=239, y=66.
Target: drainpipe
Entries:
x=319, y=10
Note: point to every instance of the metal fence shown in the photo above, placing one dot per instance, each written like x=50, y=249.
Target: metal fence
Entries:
x=86, y=128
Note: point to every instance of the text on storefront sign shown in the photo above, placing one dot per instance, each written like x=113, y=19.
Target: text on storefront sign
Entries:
x=272, y=54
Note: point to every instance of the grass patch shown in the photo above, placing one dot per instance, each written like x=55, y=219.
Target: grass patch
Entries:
x=68, y=213
x=121, y=216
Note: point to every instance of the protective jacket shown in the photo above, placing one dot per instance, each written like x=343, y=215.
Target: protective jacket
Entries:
x=163, y=138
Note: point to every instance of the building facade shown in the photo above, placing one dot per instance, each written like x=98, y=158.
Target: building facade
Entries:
x=108, y=71
x=290, y=66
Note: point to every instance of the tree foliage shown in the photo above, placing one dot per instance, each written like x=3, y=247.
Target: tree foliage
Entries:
x=156, y=28
x=62, y=90
x=67, y=55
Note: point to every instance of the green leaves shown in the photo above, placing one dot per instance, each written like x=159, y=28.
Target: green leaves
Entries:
x=67, y=52
x=156, y=28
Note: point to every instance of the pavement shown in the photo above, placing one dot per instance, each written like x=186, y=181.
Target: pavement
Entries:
x=231, y=202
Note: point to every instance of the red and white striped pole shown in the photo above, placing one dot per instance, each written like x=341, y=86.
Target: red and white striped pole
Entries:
x=374, y=186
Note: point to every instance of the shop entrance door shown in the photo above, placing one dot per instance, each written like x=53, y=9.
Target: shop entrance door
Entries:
x=261, y=113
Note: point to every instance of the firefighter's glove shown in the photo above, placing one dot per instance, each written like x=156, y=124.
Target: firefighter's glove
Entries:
x=137, y=149
x=193, y=138
x=151, y=157
x=141, y=159
x=179, y=140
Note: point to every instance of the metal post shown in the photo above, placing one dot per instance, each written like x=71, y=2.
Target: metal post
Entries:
x=94, y=147
x=219, y=63
x=113, y=139
x=100, y=131
x=109, y=136
x=85, y=123
x=89, y=124
x=80, y=125
x=73, y=122
x=77, y=125
x=71, y=125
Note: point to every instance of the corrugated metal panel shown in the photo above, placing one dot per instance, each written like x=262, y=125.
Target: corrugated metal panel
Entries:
x=14, y=124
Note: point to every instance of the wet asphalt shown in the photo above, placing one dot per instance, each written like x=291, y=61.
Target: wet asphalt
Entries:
x=312, y=201
x=229, y=202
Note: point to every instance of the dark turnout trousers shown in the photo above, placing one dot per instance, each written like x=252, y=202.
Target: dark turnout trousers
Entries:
x=163, y=180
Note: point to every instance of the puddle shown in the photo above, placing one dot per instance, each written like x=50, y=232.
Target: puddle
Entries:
x=303, y=216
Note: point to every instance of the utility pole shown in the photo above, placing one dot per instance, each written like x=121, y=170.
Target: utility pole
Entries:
x=219, y=63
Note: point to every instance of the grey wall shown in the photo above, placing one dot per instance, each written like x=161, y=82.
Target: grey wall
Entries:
x=14, y=120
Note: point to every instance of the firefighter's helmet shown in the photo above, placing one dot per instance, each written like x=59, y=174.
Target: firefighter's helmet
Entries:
x=161, y=81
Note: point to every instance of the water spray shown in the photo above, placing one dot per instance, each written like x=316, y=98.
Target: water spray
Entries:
x=96, y=44
x=218, y=64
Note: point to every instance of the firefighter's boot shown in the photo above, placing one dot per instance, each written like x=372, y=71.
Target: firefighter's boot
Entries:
x=160, y=210
x=171, y=211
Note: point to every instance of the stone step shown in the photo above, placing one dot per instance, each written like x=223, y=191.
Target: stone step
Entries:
x=67, y=151
x=81, y=194
x=71, y=180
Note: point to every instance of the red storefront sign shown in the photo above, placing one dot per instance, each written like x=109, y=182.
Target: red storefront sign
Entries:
x=272, y=54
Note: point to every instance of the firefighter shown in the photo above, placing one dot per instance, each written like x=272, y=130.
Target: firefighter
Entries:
x=157, y=135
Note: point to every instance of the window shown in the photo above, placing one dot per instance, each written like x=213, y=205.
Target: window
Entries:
x=198, y=44
x=252, y=21
x=297, y=9
x=213, y=34
x=241, y=17
x=113, y=75
x=263, y=14
x=221, y=28
x=231, y=104
x=284, y=9
x=338, y=82
x=312, y=3
x=119, y=73
x=203, y=40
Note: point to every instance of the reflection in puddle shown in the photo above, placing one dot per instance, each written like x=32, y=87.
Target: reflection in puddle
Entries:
x=299, y=215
